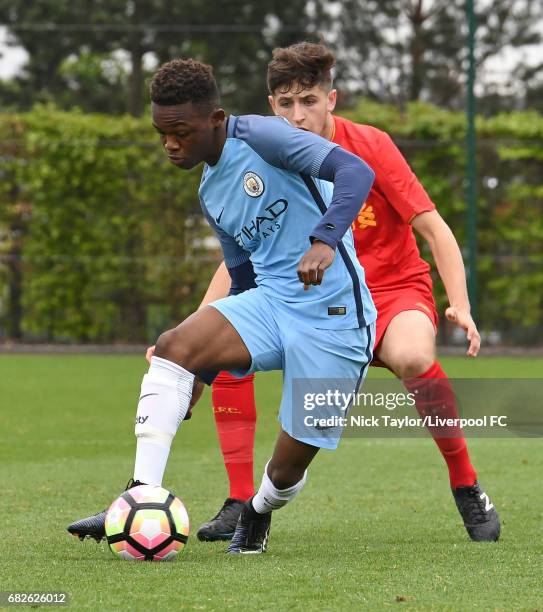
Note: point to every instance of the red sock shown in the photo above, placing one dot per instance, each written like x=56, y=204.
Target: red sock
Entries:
x=235, y=417
x=435, y=396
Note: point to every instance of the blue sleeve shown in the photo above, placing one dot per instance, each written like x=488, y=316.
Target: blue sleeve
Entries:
x=243, y=278
x=284, y=146
x=352, y=180
x=236, y=259
x=280, y=144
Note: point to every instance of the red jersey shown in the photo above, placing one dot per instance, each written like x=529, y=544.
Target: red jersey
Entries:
x=383, y=237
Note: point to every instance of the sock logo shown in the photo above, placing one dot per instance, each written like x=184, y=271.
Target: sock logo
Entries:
x=488, y=504
x=141, y=420
x=146, y=395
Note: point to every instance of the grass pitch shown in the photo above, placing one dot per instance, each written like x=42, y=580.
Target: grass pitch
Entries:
x=376, y=526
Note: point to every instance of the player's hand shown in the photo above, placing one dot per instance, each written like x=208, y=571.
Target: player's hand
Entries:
x=462, y=318
x=313, y=264
x=197, y=390
x=150, y=352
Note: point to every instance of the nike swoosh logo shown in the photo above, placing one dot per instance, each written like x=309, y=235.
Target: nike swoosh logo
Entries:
x=218, y=219
x=147, y=395
x=322, y=427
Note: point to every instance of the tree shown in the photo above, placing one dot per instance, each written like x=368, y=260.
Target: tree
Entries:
x=236, y=40
x=50, y=31
x=399, y=50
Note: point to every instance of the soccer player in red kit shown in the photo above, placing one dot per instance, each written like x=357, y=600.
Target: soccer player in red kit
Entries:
x=300, y=85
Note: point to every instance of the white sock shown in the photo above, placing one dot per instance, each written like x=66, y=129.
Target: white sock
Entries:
x=164, y=400
x=269, y=498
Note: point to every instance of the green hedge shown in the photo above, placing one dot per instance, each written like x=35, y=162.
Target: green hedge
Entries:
x=111, y=235
x=102, y=240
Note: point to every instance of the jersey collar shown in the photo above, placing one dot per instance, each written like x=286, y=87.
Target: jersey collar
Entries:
x=231, y=124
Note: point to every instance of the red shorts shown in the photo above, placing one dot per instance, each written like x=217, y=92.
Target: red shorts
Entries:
x=416, y=296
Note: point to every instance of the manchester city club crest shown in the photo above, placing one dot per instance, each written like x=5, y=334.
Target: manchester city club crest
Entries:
x=253, y=184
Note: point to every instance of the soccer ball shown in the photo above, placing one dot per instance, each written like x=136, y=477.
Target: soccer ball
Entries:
x=147, y=523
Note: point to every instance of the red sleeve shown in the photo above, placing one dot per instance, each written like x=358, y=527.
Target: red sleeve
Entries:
x=395, y=179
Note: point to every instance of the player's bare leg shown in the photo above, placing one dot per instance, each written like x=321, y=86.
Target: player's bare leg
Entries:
x=408, y=349
x=289, y=461
x=204, y=341
x=284, y=477
x=408, y=346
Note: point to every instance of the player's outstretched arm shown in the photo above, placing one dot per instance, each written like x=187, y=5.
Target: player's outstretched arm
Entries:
x=352, y=180
x=219, y=287
x=450, y=266
x=306, y=153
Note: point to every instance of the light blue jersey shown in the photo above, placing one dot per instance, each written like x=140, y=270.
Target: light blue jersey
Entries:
x=264, y=201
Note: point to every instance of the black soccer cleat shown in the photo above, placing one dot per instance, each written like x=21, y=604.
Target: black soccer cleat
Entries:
x=90, y=527
x=95, y=526
x=478, y=513
x=252, y=532
x=223, y=524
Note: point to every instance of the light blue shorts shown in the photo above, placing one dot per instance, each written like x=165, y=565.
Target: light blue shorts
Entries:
x=314, y=362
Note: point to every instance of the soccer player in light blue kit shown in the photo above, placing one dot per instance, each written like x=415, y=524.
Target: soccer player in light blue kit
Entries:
x=281, y=201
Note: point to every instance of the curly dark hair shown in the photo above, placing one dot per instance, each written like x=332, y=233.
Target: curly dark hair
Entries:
x=185, y=80
x=305, y=64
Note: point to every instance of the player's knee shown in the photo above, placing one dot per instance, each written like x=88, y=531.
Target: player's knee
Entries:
x=414, y=363
x=174, y=346
x=168, y=345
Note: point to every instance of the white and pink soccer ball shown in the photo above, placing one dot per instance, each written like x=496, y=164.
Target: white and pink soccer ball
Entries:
x=147, y=523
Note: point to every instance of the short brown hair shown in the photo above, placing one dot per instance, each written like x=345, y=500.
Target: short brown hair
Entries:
x=306, y=64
